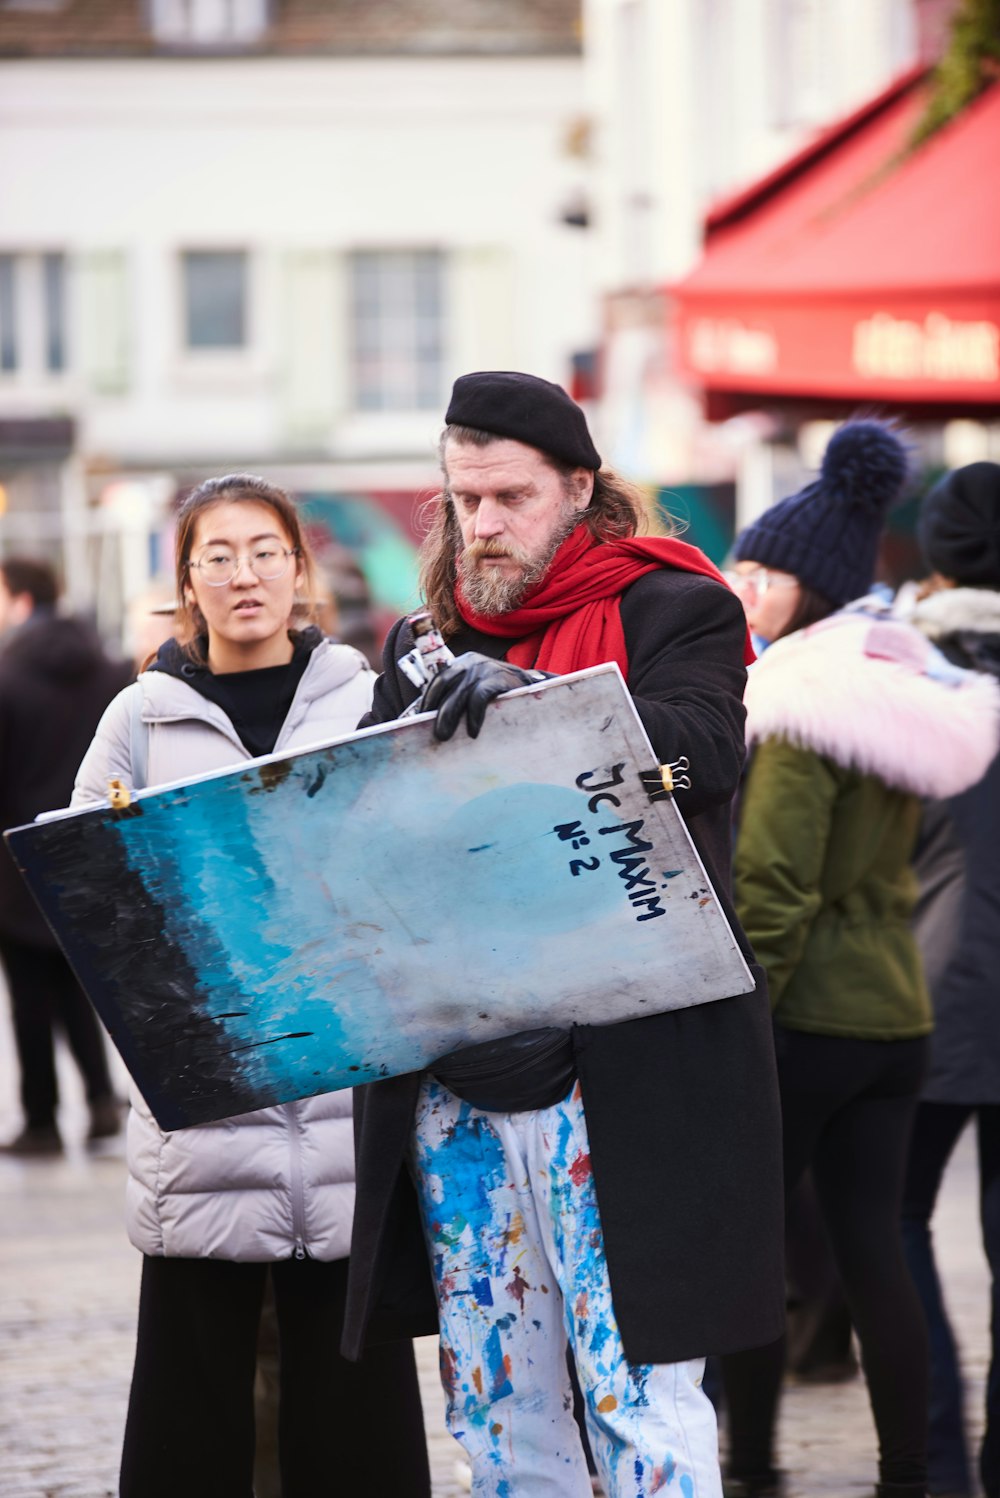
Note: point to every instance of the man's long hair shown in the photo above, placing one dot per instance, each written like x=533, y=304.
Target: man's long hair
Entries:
x=617, y=509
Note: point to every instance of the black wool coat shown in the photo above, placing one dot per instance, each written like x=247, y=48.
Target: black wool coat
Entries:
x=957, y=919
x=55, y=682
x=682, y=1108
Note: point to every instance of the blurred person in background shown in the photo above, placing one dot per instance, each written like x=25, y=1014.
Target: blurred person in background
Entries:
x=55, y=682
x=958, y=929
x=150, y=618
x=850, y=721
x=219, y=1209
x=345, y=609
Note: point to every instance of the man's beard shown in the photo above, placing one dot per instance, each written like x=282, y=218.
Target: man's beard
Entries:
x=489, y=590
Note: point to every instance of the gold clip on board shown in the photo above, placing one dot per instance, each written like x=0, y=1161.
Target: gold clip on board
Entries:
x=663, y=780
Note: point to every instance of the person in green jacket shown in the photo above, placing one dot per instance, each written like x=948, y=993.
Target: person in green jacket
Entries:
x=851, y=718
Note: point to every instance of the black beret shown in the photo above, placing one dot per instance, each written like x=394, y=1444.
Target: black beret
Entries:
x=959, y=526
x=527, y=409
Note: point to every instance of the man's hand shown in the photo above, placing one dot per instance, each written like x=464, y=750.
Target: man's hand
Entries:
x=466, y=688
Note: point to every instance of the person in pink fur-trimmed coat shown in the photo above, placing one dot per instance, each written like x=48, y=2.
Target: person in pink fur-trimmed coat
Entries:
x=852, y=717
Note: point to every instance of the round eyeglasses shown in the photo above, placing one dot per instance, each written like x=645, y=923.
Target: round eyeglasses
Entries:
x=755, y=584
x=219, y=566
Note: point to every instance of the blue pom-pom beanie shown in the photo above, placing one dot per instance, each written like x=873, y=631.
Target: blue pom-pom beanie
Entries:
x=827, y=535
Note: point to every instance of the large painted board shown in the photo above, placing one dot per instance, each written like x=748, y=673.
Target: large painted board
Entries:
x=319, y=919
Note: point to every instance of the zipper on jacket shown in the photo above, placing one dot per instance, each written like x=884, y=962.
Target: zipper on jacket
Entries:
x=298, y=1189
x=300, y=704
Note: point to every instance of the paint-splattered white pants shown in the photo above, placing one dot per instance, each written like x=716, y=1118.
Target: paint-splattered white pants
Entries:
x=511, y=1218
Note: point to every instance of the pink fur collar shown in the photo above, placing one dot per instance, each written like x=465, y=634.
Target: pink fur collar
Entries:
x=874, y=695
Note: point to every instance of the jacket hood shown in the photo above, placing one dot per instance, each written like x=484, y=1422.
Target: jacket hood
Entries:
x=47, y=644
x=169, y=694
x=173, y=660
x=874, y=695
x=956, y=613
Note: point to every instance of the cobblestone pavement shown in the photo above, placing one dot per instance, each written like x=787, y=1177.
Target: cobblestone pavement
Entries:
x=68, y=1292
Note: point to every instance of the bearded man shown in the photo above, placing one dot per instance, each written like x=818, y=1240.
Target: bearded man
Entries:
x=615, y=1185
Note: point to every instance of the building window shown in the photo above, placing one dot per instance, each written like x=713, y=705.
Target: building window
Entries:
x=8, y=329
x=215, y=299
x=54, y=310
x=208, y=23
x=397, y=324
x=33, y=315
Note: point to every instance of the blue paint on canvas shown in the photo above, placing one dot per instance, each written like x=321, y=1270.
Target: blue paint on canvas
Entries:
x=341, y=914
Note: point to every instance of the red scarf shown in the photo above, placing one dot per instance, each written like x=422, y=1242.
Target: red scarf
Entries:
x=572, y=618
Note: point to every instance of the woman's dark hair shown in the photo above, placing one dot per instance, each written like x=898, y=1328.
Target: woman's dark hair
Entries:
x=810, y=609
x=617, y=509
x=234, y=488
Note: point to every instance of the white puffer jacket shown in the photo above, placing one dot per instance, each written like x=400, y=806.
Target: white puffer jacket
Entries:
x=279, y=1181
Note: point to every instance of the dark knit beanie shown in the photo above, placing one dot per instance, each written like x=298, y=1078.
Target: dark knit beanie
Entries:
x=527, y=409
x=959, y=526
x=827, y=535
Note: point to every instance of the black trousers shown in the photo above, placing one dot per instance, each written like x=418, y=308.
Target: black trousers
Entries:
x=847, y=1111
x=43, y=994
x=343, y=1428
x=936, y=1132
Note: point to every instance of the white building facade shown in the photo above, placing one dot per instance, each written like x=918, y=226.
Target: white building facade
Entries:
x=272, y=261
x=693, y=99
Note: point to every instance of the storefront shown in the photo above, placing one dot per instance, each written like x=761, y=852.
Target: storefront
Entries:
x=859, y=271
x=862, y=273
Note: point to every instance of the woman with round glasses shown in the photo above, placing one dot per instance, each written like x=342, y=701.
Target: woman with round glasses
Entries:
x=776, y=603
x=850, y=722
x=217, y=1209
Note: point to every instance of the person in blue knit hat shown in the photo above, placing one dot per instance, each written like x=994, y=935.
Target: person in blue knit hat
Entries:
x=851, y=720
x=824, y=539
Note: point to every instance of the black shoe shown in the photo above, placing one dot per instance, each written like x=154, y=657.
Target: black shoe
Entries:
x=105, y=1119
x=35, y=1142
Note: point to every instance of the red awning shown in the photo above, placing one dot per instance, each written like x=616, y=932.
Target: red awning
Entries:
x=858, y=271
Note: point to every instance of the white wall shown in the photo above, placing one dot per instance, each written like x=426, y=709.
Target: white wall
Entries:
x=122, y=164
x=693, y=99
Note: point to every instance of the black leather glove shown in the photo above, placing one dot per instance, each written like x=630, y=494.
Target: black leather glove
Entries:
x=467, y=687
